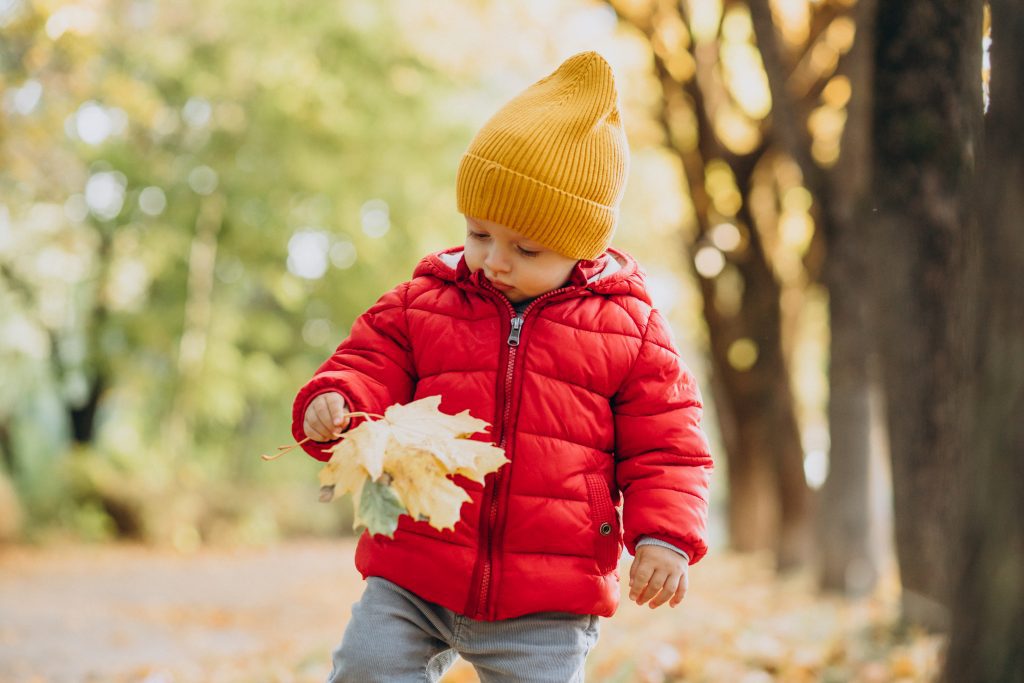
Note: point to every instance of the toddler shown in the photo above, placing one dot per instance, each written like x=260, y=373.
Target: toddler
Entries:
x=538, y=327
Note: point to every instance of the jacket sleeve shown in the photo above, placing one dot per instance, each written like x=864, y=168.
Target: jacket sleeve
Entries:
x=372, y=368
x=663, y=463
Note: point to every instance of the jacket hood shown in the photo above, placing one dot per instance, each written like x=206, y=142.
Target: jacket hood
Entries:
x=611, y=273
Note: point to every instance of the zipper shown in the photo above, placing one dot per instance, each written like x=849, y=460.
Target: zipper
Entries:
x=513, y=345
x=513, y=334
x=481, y=608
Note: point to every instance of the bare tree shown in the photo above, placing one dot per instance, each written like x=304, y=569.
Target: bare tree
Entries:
x=769, y=501
x=988, y=603
x=845, y=525
x=927, y=124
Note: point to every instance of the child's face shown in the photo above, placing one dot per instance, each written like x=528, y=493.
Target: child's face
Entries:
x=520, y=268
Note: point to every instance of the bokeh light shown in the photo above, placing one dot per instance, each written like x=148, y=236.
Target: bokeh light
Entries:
x=709, y=262
x=307, y=254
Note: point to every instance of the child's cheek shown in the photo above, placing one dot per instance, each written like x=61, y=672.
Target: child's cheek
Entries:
x=472, y=262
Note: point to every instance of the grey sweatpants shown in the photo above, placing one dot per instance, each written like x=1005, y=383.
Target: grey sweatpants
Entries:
x=397, y=637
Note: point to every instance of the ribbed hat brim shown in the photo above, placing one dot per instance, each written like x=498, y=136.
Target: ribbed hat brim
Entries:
x=572, y=226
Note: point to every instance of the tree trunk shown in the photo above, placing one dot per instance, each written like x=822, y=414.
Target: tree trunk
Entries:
x=198, y=316
x=845, y=525
x=81, y=414
x=769, y=448
x=848, y=529
x=768, y=494
x=988, y=604
x=7, y=448
x=763, y=395
x=82, y=418
x=769, y=500
x=752, y=514
x=926, y=120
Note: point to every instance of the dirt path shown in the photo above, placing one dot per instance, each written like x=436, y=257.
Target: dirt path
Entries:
x=134, y=615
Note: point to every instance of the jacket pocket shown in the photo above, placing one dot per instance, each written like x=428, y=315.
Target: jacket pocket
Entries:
x=605, y=523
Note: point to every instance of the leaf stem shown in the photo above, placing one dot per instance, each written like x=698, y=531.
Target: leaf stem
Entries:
x=359, y=413
x=281, y=450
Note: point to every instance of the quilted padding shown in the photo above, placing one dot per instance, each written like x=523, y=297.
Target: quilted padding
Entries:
x=597, y=413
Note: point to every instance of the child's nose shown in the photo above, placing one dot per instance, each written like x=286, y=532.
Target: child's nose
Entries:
x=497, y=260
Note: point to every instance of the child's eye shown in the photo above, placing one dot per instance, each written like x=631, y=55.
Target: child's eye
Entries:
x=478, y=235
x=527, y=252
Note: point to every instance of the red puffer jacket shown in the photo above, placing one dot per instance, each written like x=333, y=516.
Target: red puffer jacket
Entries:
x=587, y=394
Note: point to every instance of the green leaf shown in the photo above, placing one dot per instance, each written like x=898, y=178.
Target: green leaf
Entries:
x=379, y=508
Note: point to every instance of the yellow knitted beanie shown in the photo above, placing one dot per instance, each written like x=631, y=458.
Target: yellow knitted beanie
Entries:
x=552, y=163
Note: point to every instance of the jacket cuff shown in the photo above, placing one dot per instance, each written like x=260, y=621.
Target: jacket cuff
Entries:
x=650, y=540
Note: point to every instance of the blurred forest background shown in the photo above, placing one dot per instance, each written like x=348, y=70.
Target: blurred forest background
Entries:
x=197, y=199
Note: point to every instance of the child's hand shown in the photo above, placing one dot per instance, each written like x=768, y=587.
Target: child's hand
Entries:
x=658, y=574
x=325, y=417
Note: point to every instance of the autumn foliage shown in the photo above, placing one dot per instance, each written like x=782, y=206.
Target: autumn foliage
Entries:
x=403, y=462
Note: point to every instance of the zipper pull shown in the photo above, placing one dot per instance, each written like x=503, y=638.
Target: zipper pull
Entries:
x=513, y=335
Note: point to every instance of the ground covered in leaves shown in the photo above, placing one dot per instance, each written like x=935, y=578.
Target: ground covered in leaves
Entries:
x=133, y=615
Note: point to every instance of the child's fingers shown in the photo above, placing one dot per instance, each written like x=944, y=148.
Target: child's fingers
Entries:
x=668, y=589
x=336, y=407
x=680, y=591
x=638, y=578
x=653, y=586
x=323, y=413
x=316, y=428
x=313, y=431
x=313, y=424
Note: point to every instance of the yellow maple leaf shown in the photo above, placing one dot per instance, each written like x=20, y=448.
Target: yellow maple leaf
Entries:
x=470, y=458
x=341, y=475
x=366, y=445
x=412, y=421
x=358, y=456
x=423, y=487
x=412, y=450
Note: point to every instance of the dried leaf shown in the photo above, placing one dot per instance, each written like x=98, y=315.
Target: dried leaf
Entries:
x=422, y=484
x=471, y=459
x=362, y=447
x=344, y=473
x=411, y=422
x=411, y=452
